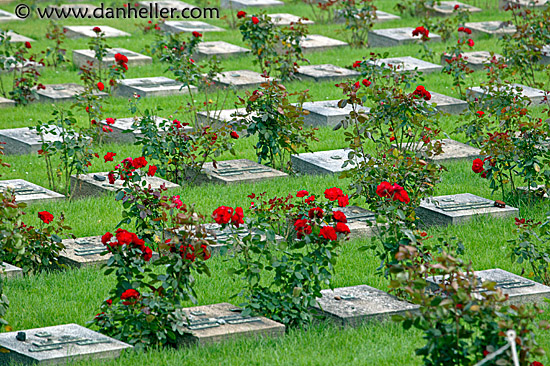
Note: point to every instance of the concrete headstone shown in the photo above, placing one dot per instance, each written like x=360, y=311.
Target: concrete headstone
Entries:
x=240, y=79
x=454, y=151
x=21, y=141
x=475, y=60
x=238, y=171
x=220, y=49
x=159, y=86
x=82, y=57
x=536, y=96
x=5, y=103
x=128, y=124
x=86, y=31
x=523, y=3
x=173, y=26
x=445, y=8
x=391, y=37
x=28, y=192
x=54, y=93
x=446, y=104
x=408, y=63
x=493, y=28
x=316, y=42
x=7, y=16
x=321, y=162
x=18, y=38
x=327, y=113
x=325, y=72
x=9, y=271
x=286, y=19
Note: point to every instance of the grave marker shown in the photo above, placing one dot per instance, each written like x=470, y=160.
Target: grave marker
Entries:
x=316, y=42
x=18, y=38
x=128, y=124
x=237, y=171
x=86, y=31
x=11, y=64
x=357, y=221
x=321, y=162
x=407, y=63
x=238, y=4
x=545, y=55
x=391, y=37
x=54, y=93
x=325, y=72
x=446, y=104
x=493, y=28
x=81, y=252
x=159, y=86
x=82, y=57
x=327, y=112
x=28, y=192
x=7, y=17
x=453, y=151
x=220, y=49
x=189, y=26
x=285, y=19
x=381, y=16
x=445, y=8
x=475, y=60
x=536, y=96
x=240, y=79
x=6, y=103
x=502, y=4
x=21, y=141
x=10, y=271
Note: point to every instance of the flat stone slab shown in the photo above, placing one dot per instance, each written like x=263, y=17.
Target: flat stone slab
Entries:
x=214, y=323
x=408, y=63
x=54, y=93
x=220, y=49
x=321, y=162
x=357, y=221
x=240, y=79
x=539, y=191
x=59, y=344
x=475, y=60
x=286, y=19
x=229, y=116
x=18, y=38
x=460, y=208
x=7, y=16
x=493, y=28
x=352, y=306
x=327, y=113
x=391, y=37
x=455, y=151
x=519, y=289
x=536, y=96
x=21, y=141
x=325, y=72
x=11, y=64
x=28, y=192
x=166, y=4
x=382, y=16
x=83, y=57
x=447, y=8
x=316, y=42
x=238, y=4
x=173, y=26
x=158, y=86
x=446, y=104
x=9, y=271
x=238, y=171
x=6, y=103
x=65, y=9
x=81, y=252
x=128, y=124
x=85, y=31
x=545, y=55
x=502, y=4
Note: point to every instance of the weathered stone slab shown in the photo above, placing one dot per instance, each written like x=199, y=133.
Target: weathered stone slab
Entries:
x=238, y=171
x=321, y=162
x=327, y=113
x=220, y=49
x=85, y=31
x=221, y=116
x=219, y=322
x=460, y=208
x=173, y=26
x=381, y=16
x=352, y=306
x=7, y=16
x=538, y=191
x=54, y=93
x=446, y=104
x=408, y=63
x=391, y=37
x=18, y=38
x=11, y=64
x=127, y=124
x=453, y=151
x=59, y=344
x=238, y=4
x=82, y=57
x=357, y=221
x=545, y=55
x=536, y=96
x=159, y=86
x=6, y=103
x=240, y=79
x=492, y=28
x=316, y=42
x=325, y=72
x=9, y=271
x=519, y=289
x=445, y=8
x=28, y=192
x=286, y=19
x=475, y=60
x=62, y=11
x=166, y=4
x=21, y=141
x=522, y=3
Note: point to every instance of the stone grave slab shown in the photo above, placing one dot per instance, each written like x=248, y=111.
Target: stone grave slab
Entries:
x=357, y=221
x=240, y=79
x=327, y=113
x=82, y=57
x=127, y=124
x=9, y=271
x=286, y=19
x=446, y=104
x=321, y=162
x=61, y=11
x=60, y=344
x=166, y=4
x=492, y=28
x=238, y=171
x=189, y=26
x=408, y=63
x=475, y=60
x=536, y=96
x=325, y=72
x=545, y=55
x=445, y=8
x=238, y=4
x=381, y=16
x=18, y=38
x=7, y=16
x=316, y=42
x=85, y=31
x=391, y=37
x=519, y=289
x=220, y=49
x=28, y=192
x=219, y=322
x=10, y=64
x=351, y=306
x=502, y=4
x=54, y=93
x=538, y=191
x=95, y=184
x=21, y=141
x=5, y=103
x=158, y=86
x=459, y=208
x=454, y=151
x=229, y=116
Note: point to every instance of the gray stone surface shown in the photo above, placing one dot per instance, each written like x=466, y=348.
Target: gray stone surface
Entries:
x=20, y=141
x=447, y=8
x=321, y=162
x=87, y=9
x=166, y=4
x=453, y=209
x=7, y=16
x=327, y=113
x=18, y=38
x=11, y=64
x=446, y=104
x=316, y=42
x=545, y=55
x=519, y=289
x=352, y=306
x=325, y=72
x=54, y=93
x=240, y=79
x=81, y=252
x=408, y=63
x=220, y=49
x=523, y=3
x=286, y=19
x=238, y=4
x=493, y=28
x=475, y=60
x=173, y=26
x=538, y=191
x=536, y=96
x=85, y=31
x=391, y=37
x=9, y=271
x=5, y=103
x=220, y=322
x=127, y=124
x=455, y=151
x=91, y=185
x=28, y=192
x=221, y=116
x=59, y=344
x=82, y=57
x=238, y=171
x=382, y=16
x=357, y=221
x=159, y=86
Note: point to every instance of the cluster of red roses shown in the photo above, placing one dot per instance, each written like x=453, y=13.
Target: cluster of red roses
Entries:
x=395, y=192
x=130, y=297
x=129, y=165
x=45, y=216
x=478, y=166
x=365, y=82
x=421, y=31
x=121, y=61
x=468, y=31
x=124, y=237
x=224, y=215
x=465, y=30
x=190, y=252
x=421, y=92
x=155, y=26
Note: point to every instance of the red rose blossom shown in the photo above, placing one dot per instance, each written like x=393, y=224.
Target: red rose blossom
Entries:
x=241, y=14
x=222, y=215
x=197, y=34
x=237, y=218
x=302, y=193
x=399, y=194
x=28, y=44
x=106, y=238
x=109, y=156
x=100, y=86
x=234, y=135
x=470, y=43
x=384, y=190
x=139, y=162
x=480, y=113
x=120, y=58
x=152, y=170
x=332, y=194
x=342, y=228
x=316, y=212
x=96, y=29
x=366, y=82
x=328, y=232
x=255, y=20
x=45, y=216
x=343, y=201
x=340, y=216
x=129, y=294
x=477, y=165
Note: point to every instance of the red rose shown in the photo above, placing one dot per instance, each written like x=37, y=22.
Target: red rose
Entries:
x=421, y=92
x=457, y=6
x=222, y=215
x=328, y=233
x=241, y=14
x=205, y=253
x=139, y=162
x=125, y=66
x=420, y=31
x=129, y=294
x=300, y=224
x=120, y=58
x=111, y=177
x=147, y=254
x=302, y=193
x=477, y=165
x=357, y=85
x=45, y=216
x=100, y=86
x=106, y=238
x=310, y=199
x=109, y=156
x=332, y=194
x=197, y=34
x=234, y=135
x=366, y=82
x=467, y=30
x=399, y=194
x=343, y=201
x=28, y=44
x=124, y=236
x=96, y=29
x=110, y=121
x=384, y=190
x=109, y=302
x=480, y=113
x=237, y=218
x=255, y=20
x=340, y=216
x=470, y=43
x=152, y=170
x=536, y=363
x=461, y=29
x=342, y=228
x=316, y=212
x=357, y=64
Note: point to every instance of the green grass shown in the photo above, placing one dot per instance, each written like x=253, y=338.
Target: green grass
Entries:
x=73, y=296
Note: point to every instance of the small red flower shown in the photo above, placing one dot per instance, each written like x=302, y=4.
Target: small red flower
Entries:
x=109, y=302
x=343, y=201
x=366, y=82
x=328, y=232
x=234, y=135
x=110, y=121
x=237, y=218
x=147, y=254
x=420, y=31
x=477, y=165
x=120, y=58
x=384, y=190
x=96, y=29
x=457, y=6
x=302, y=193
x=222, y=215
x=45, y=216
x=310, y=199
x=316, y=212
x=152, y=170
x=470, y=43
x=357, y=64
x=100, y=86
x=139, y=162
x=255, y=20
x=130, y=294
x=28, y=44
x=241, y=14
x=106, y=238
x=399, y=194
x=480, y=113
x=111, y=177
x=340, y=216
x=197, y=34
x=342, y=228
x=332, y=194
